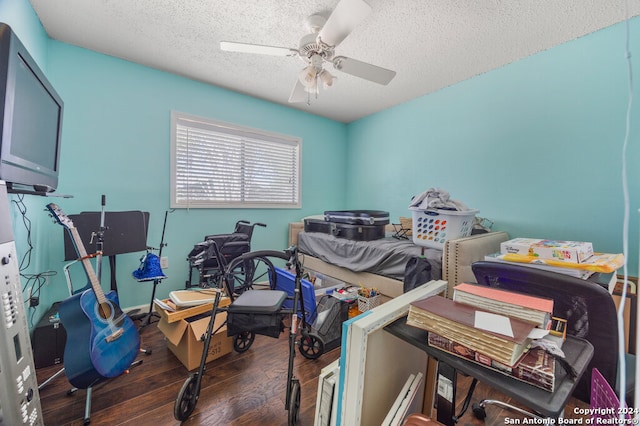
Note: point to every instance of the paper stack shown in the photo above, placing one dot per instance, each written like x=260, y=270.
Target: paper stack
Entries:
x=563, y=251
x=501, y=339
x=573, y=258
x=537, y=264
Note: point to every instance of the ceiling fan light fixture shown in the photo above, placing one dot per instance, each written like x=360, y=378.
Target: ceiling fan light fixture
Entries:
x=326, y=78
x=312, y=90
x=317, y=48
x=308, y=77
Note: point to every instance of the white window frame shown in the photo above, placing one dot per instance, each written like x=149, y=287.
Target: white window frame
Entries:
x=250, y=141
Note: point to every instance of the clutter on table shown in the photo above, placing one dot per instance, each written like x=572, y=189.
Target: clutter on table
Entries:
x=576, y=258
x=368, y=298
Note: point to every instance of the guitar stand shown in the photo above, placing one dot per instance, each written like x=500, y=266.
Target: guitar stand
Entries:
x=146, y=318
x=98, y=259
x=87, y=405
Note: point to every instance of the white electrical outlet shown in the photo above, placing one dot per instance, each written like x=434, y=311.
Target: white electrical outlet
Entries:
x=164, y=262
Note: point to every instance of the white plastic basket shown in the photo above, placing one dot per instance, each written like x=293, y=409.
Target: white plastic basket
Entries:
x=432, y=227
x=366, y=303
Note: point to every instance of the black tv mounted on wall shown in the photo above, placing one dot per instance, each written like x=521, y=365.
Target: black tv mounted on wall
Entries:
x=30, y=120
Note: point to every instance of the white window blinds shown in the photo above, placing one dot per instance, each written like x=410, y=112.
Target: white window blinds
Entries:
x=217, y=164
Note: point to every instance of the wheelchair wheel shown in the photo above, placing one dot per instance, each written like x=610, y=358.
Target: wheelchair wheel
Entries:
x=243, y=341
x=246, y=274
x=187, y=399
x=311, y=345
x=294, y=402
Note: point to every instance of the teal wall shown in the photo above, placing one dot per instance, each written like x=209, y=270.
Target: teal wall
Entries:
x=536, y=145
x=25, y=23
x=31, y=234
x=116, y=142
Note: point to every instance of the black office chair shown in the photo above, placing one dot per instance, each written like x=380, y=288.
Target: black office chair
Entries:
x=588, y=308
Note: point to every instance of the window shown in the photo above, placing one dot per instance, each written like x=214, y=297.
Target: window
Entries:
x=216, y=164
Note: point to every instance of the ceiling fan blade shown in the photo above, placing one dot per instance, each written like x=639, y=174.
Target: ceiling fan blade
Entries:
x=232, y=46
x=298, y=94
x=363, y=70
x=344, y=18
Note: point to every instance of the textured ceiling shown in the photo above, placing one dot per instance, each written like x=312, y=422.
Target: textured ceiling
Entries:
x=431, y=44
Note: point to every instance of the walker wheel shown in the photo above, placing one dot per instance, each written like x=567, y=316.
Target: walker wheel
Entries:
x=187, y=399
x=478, y=411
x=294, y=402
x=311, y=345
x=243, y=341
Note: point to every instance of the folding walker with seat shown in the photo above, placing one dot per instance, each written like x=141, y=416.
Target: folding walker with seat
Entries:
x=254, y=312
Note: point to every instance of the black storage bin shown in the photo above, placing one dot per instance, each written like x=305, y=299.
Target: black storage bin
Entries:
x=258, y=311
x=332, y=312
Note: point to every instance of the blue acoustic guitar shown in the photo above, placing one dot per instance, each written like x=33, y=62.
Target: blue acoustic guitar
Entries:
x=102, y=341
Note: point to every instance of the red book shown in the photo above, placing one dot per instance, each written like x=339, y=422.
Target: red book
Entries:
x=510, y=303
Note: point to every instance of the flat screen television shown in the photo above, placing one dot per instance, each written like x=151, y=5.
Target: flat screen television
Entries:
x=30, y=119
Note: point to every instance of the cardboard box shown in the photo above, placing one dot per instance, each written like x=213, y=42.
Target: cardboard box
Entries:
x=183, y=332
x=181, y=313
x=567, y=251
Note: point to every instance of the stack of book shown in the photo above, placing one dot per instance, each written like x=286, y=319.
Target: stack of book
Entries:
x=536, y=310
x=536, y=366
x=460, y=323
x=464, y=330
x=573, y=258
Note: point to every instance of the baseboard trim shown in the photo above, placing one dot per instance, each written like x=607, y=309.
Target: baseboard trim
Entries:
x=136, y=309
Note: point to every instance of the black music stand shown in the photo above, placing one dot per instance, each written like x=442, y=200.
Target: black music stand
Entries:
x=125, y=232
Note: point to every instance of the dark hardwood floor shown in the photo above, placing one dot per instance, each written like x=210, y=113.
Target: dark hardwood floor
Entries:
x=238, y=389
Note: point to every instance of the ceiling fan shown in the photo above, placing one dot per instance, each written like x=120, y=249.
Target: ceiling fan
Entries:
x=318, y=47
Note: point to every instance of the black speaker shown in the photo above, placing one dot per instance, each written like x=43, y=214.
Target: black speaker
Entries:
x=49, y=338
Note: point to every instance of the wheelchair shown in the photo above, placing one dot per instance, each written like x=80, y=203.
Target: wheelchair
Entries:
x=210, y=258
x=258, y=312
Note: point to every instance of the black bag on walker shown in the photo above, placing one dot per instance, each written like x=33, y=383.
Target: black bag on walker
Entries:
x=258, y=311
x=416, y=273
